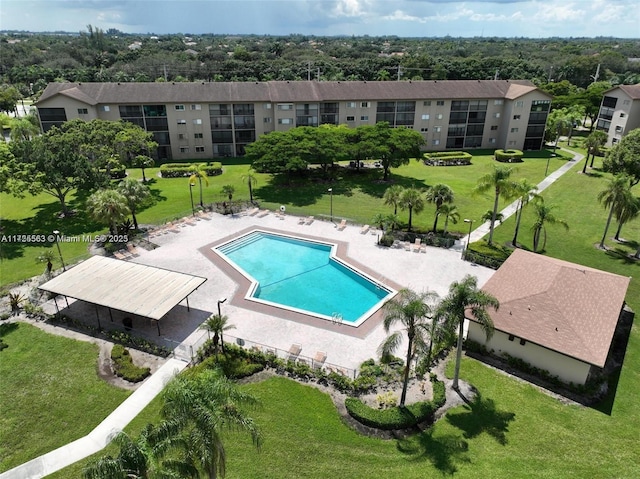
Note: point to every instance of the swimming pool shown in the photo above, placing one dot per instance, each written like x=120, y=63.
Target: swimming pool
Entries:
x=304, y=276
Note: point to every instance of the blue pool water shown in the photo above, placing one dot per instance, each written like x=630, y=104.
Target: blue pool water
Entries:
x=301, y=274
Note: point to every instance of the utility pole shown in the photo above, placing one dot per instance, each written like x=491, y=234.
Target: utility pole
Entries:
x=399, y=72
x=495, y=77
x=597, y=75
x=308, y=71
x=318, y=74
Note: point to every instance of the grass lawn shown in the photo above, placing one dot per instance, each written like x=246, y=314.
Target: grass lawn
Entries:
x=50, y=394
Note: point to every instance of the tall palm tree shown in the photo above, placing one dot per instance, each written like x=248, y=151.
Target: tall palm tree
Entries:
x=464, y=295
x=136, y=194
x=109, y=206
x=543, y=217
x=616, y=191
x=200, y=174
x=412, y=311
x=627, y=210
x=594, y=142
x=499, y=181
x=412, y=200
x=217, y=324
x=439, y=194
x=525, y=191
x=132, y=460
x=250, y=178
x=392, y=197
x=450, y=213
x=201, y=406
x=488, y=215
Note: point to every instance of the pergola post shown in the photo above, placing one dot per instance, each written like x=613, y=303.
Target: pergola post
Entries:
x=158, y=325
x=98, y=316
x=56, y=303
x=187, y=298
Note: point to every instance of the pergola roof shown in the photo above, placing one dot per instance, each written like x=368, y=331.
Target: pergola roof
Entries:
x=130, y=287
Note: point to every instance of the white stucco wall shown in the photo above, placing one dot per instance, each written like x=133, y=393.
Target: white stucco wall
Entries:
x=566, y=368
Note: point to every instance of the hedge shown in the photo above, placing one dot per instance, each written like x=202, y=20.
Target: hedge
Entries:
x=181, y=170
x=123, y=365
x=398, y=417
x=447, y=158
x=509, y=156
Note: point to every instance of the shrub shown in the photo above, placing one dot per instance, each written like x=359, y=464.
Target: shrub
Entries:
x=509, y=156
x=447, y=158
x=123, y=365
x=234, y=367
x=179, y=170
x=387, y=239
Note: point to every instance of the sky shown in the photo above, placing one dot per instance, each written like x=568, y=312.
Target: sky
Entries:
x=403, y=18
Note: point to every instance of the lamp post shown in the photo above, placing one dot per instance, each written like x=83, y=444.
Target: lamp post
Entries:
x=466, y=220
x=220, y=301
x=56, y=233
x=193, y=208
x=330, y=190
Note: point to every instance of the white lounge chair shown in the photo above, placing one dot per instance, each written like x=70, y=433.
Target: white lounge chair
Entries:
x=342, y=225
x=309, y=220
x=416, y=245
x=364, y=230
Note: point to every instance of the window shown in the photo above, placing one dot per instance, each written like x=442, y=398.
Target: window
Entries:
x=267, y=106
x=440, y=102
x=494, y=127
x=511, y=337
x=519, y=104
x=439, y=116
x=199, y=149
x=496, y=114
x=492, y=141
x=498, y=102
x=436, y=142
x=516, y=117
x=512, y=143
x=424, y=129
x=179, y=107
x=351, y=104
x=522, y=342
x=425, y=117
x=618, y=129
x=614, y=141
x=285, y=121
x=285, y=106
x=196, y=107
x=351, y=118
x=182, y=122
x=437, y=129
x=364, y=118
x=184, y=149
x=83, y=111
x=626, y=102
x=267, y=120
x=197, y=136
x=106, y=108
x=514, y=130
x=182, y=136
x=426, y=103
x=622, y=115
x=365, y=104
x=197, y=121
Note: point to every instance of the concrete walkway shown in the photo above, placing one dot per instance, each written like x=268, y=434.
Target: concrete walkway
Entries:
x=511, y=209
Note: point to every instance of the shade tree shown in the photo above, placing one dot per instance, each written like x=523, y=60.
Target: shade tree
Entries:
x=624, y=157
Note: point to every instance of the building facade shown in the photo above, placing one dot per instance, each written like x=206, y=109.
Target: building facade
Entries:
x=619, y=112
x=216, y=120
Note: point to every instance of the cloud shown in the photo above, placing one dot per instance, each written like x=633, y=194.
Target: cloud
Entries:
x=399, y=15
x=351, y=8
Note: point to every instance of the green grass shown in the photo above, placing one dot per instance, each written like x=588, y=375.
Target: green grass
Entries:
x=50, y=394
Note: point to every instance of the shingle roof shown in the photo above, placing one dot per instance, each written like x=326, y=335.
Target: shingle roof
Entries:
x=632, y=90
x=562, y=306
x=286, y=91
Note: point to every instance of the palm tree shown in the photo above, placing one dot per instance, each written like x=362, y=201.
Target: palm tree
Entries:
x=392, y=197
x=132, y=461
x=450, y=213
x=464, y=295
x=412, y=200
x=200, y=174
x=23, y=129
x=593, y=143
x=526, y=192
x=109, y=206
x=136, y=194
x=47, y=256
x=379, y=220
x=142, y=162
x=391, y=221
x=412, y=311
x=200, y=406
x=615, y=193
x=499, y=181
x=217, y=324
x=488, y=215
x=627, y=210
x=250, y=178
x=439, y=194
x=228, y=190
x=543, y=216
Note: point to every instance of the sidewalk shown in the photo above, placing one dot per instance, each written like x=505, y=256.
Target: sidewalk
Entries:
x=511, y=209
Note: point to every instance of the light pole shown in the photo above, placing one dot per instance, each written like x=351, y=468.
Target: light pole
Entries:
x=220, y=301
x=466, y=220
x=193, y=208
x=330, y=190
x=56, y=233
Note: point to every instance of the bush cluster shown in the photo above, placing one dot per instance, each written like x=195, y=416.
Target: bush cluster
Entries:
x=116, y=173
x=181, y=170
x=123, y=365
x=447, y=158
x=398, y=417
x=509, y=156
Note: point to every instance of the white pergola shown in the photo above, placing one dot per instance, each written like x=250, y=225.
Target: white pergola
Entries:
x=133, y=288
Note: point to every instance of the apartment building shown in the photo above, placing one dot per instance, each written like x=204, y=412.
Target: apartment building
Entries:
x=215, y=120
x=619, y=112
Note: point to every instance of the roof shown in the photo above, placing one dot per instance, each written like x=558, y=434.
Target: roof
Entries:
x=633, y=91
x=566, y=307
x=130, y=287
x=287, y=91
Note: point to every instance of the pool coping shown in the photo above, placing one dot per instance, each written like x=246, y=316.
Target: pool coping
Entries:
x=243, y=285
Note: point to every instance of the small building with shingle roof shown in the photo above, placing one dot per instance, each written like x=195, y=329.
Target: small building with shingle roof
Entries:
x=555, y=315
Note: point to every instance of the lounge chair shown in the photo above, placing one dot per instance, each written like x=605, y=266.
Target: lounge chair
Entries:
x=262, y=213
x=319, y=359
x=294, y=351
x=364, y=230
x=342, y=225
x=416, y=245
x=252, y=211
x=309, y=220
x=133, y=251
x=301, y=220
x=121, y=255
x=407, y=245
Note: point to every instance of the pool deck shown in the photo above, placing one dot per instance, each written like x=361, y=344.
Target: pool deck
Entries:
x=189, y=251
